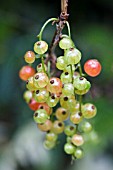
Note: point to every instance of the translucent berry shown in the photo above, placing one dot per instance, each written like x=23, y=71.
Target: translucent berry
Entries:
x=29, y=57
x=78, y=153
x=77, y=140
x=52, y=100
x=61, y=114
x=49, y=144
x=68, y=89
x=76, y=117
x=26, y=72
x=80, y=83
x=66, y=43
x=45, y=107
x=58, y=127
x=54, y=85
x=67, y=102
x=40, y=116
x=33, y=105
x=60, y=63
x=40, y=80
x=70, y=130
x=40, y=47
x=30, y=84
x=86, y=127
x=82, y=92
x=69, y=148
x=41, y=95
x=72, y=56
x=89, y=110
x=92, y=67
x=27, y=96
x=51, y=136
x=66, y=77
x=46, y=126
x=40, y=68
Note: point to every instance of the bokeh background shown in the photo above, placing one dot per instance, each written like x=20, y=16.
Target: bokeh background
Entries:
x=21, y=143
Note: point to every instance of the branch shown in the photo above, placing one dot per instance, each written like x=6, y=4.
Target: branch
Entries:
x=58, y=33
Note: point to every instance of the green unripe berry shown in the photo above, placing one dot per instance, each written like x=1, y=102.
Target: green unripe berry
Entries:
x=70, y=130
x=80, y=83
x=58, y=127
x=40, y=47
x=89, y=110
x=52, y=100
x=27, y=96
x=41, y=95
x=78, y=153
x=40, y=68
x=30, y=84
x=60, y=63
x=86, y=127
x=76, y=117
x=82, y=92
x=68, y=89
x=69, y=148
x=49, y=144
x=66, y=77
x=51, y=136
x=66, y=43
x=40, y=116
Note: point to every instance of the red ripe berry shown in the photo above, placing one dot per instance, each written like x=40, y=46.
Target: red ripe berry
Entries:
x=33, y=105
x=26, y=72
x=92, y=67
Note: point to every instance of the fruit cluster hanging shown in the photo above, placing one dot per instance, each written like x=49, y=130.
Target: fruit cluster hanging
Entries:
x=57, y=101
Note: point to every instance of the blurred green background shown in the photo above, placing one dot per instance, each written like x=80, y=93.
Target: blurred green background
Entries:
x=21, y=144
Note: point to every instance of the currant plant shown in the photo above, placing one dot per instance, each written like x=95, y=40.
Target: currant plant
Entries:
x=55, y=88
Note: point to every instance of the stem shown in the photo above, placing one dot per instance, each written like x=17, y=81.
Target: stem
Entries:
x=64, y=4
x=42, y=60
x=68, y=27
x=71, y=72
x=80, y=69
x=80, y=102
x=43, y=27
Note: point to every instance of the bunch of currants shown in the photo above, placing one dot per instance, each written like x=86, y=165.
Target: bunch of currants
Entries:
x=57, y=101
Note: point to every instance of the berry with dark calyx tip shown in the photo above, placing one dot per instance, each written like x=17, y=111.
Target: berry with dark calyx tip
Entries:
x=29, y=57
x=58, y=127
x=69, y=148
x=40, y=116
x=30, y=84
x=27, y=96
x=52, y=100
x=33, y=105
x=70, y=130
x=40, y=47
x=78, y=153
x=80, y=83
x=40, y=80
x=82, y=92
x=50, y=136
x=45, y=107
x=61, y=114
x=67, y=102
x=54, y=85
x=49, y=144
x=77, y=140
x=89, y=110
x=66, y=77
x=40, y=68
x=72, y=56
x=41, y=95
x=92, y=67
x=76, y=117
x=85, y=127
x=26, y=72
x=66, y=43
x=60, y=63
x=46, y=126
x=68, y=89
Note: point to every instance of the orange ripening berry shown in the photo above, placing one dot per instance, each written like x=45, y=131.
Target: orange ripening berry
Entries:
x=92, y=67
x=26, y=72
x=33, y=105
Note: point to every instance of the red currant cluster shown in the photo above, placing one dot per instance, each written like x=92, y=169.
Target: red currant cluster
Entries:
x=44, y=92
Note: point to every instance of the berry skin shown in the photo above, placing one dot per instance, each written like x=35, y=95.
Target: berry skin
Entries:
x=29, y=57
x=77, y=140
x=70, y=130
x=67, y=102
x=30, y=84
x=49, y=144
x=66, y=77
x=69, y=148
x=40, y=47
x=60, y=63
x=61, y=114
x=40, y=116
x=92, y=67
x=40, y=80
x=45, y=107
x=40, y=68
x=26, y=72
x=46, y=126
x=86, y=127
x=33, y=105
x=50, y=136
x=89, y=110
x=82, y=92
x=41, y=95
x=66, y=43
x=80, y=83
x=52, y=100
x=68, y=89
x=27, y=96
x=54, y=85
x=72, y=56
x=78, y=153
x=58, y=127
x=76, y=117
